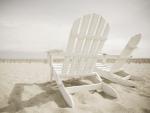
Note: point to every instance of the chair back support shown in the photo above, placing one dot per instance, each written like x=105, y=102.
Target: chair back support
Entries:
x=87, y=38
x=130, y=47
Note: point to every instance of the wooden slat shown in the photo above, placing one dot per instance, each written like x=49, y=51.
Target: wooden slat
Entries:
x=97, y=44
x=103, y=38
x=86, y=39
x=100, y=27
x=75, y=89
x=84, y=25
x=71, y=44
x=88, y=43
x=93, y=25
x=80, y=42
x=73, y=34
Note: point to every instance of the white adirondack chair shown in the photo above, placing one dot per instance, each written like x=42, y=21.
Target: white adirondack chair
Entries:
x=116, y=69
x=87, y=38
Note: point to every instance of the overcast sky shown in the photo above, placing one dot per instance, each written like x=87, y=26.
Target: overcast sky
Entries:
x=40, y=25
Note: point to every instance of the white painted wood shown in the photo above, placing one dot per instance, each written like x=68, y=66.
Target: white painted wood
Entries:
x=80, y=43
x=114, y=78
x=98, y=76
x=93, y=41
x=63, y=90
x=130, y=47
x=75, y=89
x=98, y=43
x=104, y=37
x=87, y=38
x=66, y=96
x=71, y=45
x=109, y=90
x=49, y=58
x=89, y=42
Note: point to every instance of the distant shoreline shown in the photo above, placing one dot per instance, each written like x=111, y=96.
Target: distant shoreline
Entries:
x=131, y=60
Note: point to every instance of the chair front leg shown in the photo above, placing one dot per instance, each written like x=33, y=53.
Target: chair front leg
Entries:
x=49, y=61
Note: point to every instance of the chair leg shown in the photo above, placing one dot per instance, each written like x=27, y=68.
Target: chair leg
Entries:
x=67, y=97
x=51, y=77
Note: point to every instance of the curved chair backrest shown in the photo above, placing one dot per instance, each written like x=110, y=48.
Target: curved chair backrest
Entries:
x=130, y=47
x=87, y=38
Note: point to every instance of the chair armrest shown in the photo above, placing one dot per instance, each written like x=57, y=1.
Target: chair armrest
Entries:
x=109, y=56
x=51, y=55
x=55, y=54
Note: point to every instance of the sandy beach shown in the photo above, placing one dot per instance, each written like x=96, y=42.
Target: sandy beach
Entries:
x=25, y=88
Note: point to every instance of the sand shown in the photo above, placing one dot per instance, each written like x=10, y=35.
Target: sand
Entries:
x=25, y=88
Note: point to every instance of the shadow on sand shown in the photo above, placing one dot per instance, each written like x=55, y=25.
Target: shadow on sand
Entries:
x=50, y=93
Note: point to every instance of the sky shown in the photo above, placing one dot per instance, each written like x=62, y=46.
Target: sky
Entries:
x=41, y=25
